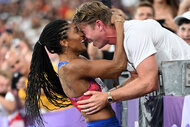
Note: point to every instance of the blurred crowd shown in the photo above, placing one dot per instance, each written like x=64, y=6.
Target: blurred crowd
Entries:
x=21, y=22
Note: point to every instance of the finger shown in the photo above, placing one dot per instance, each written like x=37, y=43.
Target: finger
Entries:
x=86, y=110
x=92, y=112
x=86, y=106
x=83, y=102
x=90, y=93
x=90, y=108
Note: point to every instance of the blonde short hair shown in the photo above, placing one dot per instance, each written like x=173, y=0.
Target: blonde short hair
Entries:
x=89, y=12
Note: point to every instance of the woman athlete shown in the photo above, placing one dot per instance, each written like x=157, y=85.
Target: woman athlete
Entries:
x=76, y=75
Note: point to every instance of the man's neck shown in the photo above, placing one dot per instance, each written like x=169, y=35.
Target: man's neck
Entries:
x=111, y=35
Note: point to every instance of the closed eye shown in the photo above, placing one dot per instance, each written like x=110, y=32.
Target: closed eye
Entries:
x=76, y=29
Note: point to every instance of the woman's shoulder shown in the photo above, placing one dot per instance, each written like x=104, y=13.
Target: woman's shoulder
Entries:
x=76, y=64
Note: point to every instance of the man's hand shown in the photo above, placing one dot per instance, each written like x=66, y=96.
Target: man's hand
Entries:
x=96, y=102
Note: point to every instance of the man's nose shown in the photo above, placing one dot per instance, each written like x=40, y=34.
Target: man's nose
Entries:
x=187, y=33
x=145, y=17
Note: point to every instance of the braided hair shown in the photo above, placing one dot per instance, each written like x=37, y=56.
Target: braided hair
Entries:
x=42, y=75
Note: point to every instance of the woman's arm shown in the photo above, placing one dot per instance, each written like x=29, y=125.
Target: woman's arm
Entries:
x=94, y=53
x=105, y=68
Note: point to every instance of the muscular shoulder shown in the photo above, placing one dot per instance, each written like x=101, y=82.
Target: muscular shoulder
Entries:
x=76, y=65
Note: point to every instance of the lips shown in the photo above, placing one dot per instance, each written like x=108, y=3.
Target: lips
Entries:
x=186, y=39
x=83, y=39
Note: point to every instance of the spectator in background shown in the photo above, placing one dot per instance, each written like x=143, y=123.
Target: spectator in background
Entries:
x=18, y=63
x=6, y=37
x=144, y=10
x=8, y=103
x=165, y=11
x=21, y=85
x=3, y=17
x=36, y=25
x=184, y=6
x=183, y=22
x=22, y=45
x=128, y=7
x=3, y=50
x=67, y=8
x=7, y=100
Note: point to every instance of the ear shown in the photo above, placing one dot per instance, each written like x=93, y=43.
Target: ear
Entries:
x=99, y=25
x=64, y=43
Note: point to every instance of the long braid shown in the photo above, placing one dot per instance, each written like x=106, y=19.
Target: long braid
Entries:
x=42, y=75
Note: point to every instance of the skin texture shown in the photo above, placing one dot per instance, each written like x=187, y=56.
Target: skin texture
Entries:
x=75, y=75
x=73, y=79
x=145, y=82
x=17, y=63
x=184, y=32
x=184, y=6
x=10, y=106
x=166, y=12
x=143, y=13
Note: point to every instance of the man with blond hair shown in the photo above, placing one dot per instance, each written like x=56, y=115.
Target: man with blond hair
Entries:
x=146, y=44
